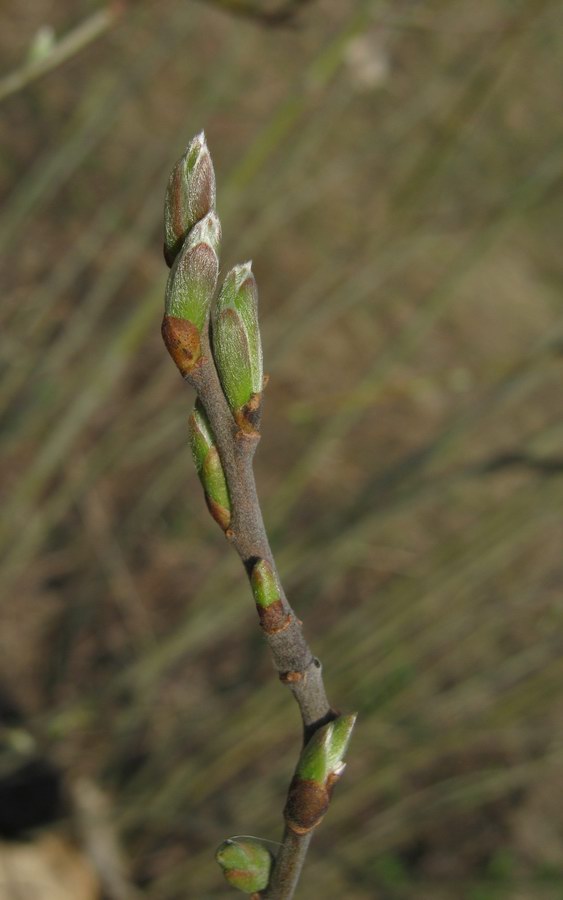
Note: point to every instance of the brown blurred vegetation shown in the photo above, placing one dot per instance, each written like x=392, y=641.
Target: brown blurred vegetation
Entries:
x=394, y=170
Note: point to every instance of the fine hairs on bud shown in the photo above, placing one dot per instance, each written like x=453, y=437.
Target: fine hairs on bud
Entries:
x=237, y=347
x=205, y=231
x=190, y=195
x=193, y=276
x=192, y=233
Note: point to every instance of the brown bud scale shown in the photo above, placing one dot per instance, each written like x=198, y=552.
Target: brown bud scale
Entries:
x=291, y=677
x=307, y=803
x=248, y=416
x=273, y=618
x=237, y=877
x=221, y=515
x=183, y=342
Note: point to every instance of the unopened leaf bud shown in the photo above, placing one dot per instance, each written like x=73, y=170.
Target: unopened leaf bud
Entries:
x=237, y=347
x=190, y=195
x=324, y=753
x=267, y=596
x=209, y=467
x=320, y=766
x=189, y=293
x=246, y=864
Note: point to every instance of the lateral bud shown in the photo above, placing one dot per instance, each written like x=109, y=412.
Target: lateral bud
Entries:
x=237, y=347
x=267, y=596
x=189, y=293
x=209, y=467
x=319, y=768
x=246, y=864
x=190, y=195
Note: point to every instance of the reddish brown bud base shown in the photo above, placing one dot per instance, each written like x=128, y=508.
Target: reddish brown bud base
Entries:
x=248, y=416
x=273, y=618
x=187, y=204
x=307, y=803
x=240, y=879
x=183, y=343
x=221, y=515
x=291, y=677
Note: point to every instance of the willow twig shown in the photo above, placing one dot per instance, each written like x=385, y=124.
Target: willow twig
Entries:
x=222, y=360
x=297, y=666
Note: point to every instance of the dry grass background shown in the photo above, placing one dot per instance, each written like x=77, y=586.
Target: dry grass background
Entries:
x=394, y=170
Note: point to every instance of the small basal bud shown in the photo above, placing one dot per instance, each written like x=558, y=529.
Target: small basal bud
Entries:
x=209, y=467
x=266, y=590
x=190, y=195
x=189, y=293
x=237, y=347
x=320, y=766
x=246, y=864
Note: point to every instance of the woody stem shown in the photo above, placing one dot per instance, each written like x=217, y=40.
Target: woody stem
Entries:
x=292, y=656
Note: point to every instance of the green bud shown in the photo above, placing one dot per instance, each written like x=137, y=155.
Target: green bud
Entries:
x=264, y=584
x=193, y=277
x=209, y=467
x=201, y=436
x=189, y=293
x=320, y=766
x=273, y=616
x=190, y=195
x=323, y=755
x=237, y=347
x=246, y=864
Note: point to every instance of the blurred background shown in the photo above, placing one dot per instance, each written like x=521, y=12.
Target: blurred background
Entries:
x=394, y=170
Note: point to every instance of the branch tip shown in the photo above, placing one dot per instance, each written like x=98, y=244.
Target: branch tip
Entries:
x=223, y=363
